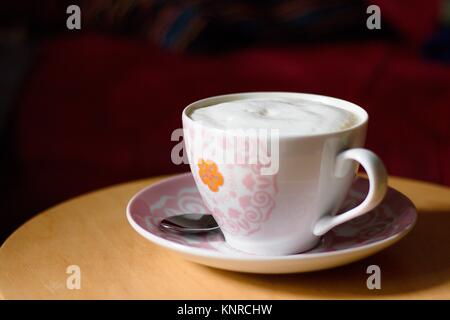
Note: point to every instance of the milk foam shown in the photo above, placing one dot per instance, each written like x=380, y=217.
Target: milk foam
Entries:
x=290, y=116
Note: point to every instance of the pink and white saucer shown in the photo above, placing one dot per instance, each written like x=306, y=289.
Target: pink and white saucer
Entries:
x=349, y=242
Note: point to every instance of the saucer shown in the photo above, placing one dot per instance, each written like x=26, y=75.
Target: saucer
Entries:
x=351, y=241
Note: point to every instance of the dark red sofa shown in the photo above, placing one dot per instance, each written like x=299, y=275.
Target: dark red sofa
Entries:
x=99, y=110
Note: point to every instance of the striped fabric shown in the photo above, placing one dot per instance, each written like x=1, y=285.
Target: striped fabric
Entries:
x=208, y=24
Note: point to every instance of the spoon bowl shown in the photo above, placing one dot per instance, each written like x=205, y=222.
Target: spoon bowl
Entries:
x=189, y=223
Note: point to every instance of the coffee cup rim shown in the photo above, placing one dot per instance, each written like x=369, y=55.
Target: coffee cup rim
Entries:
x=361, y=114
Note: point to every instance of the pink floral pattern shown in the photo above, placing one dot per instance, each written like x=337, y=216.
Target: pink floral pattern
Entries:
x=179, y=195
x=236, y=215
x=244, y=214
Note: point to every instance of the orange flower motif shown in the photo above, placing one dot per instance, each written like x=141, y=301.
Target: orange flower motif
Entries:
x=210, y=175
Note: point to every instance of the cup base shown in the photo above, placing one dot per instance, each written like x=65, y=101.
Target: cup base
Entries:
x=270, y=248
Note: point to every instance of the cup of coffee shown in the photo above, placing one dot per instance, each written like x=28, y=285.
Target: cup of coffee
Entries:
x=275, y=167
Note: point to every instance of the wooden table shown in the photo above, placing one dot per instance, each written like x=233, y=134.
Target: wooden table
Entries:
x=92, y=232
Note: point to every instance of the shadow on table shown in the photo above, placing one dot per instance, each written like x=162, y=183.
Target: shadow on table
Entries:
x=419, y=261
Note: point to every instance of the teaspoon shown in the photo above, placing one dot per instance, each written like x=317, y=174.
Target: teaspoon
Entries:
x=189, y=223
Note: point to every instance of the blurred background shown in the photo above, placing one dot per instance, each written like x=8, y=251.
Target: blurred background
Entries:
x=84, y=109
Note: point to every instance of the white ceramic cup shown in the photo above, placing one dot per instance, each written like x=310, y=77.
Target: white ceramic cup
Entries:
x=286, y=212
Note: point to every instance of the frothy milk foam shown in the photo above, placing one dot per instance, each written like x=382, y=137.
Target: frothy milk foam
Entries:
x=290, y=116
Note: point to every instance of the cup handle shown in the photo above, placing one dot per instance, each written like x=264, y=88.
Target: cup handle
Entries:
x=377, y=188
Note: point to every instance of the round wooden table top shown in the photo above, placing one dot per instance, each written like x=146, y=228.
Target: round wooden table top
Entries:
x=115, y=262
